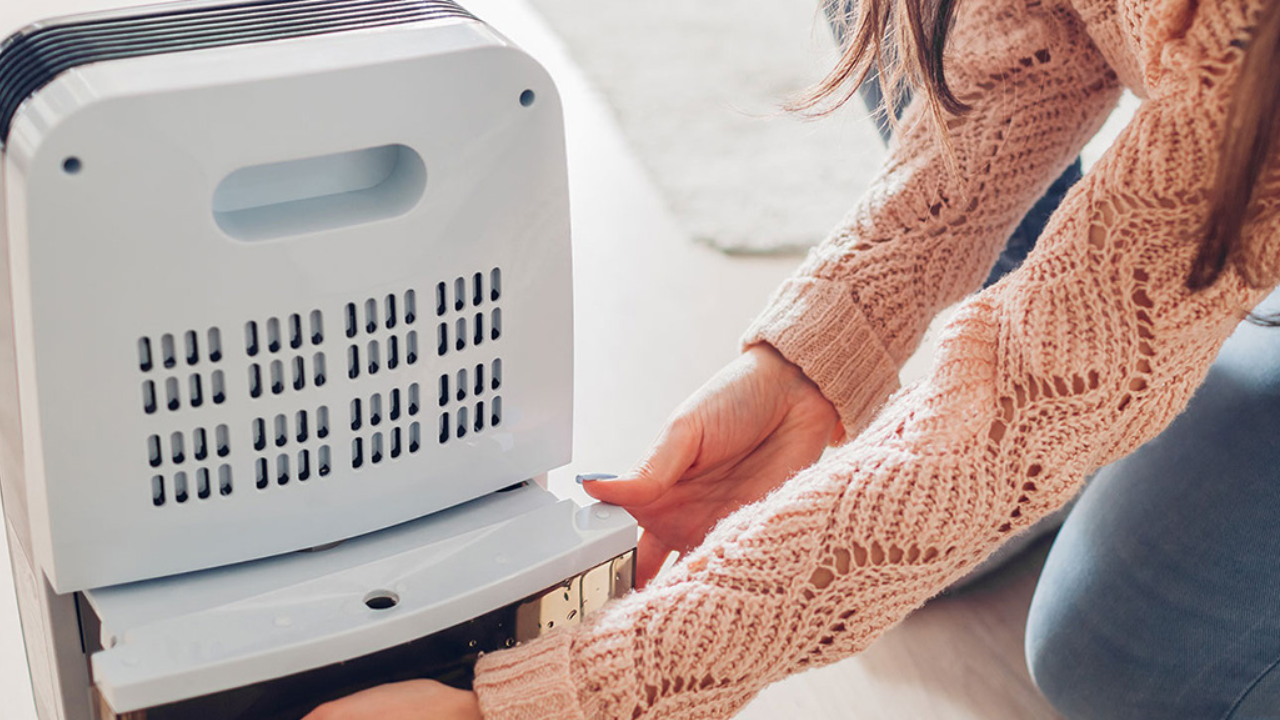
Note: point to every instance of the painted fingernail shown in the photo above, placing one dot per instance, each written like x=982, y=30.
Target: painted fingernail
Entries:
x=592, y=477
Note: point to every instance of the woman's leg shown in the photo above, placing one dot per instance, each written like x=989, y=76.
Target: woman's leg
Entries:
x=1161, y=595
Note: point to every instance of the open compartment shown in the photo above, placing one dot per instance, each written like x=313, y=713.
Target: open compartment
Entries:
x=270, y=639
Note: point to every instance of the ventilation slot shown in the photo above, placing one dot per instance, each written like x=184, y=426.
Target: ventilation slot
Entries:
x=375, y=410
x=273, y=335
x=323, y=461
x=394, y=413
x=200, y=445
x=317, y=327
x=167, y=352
x=277, y=377
x=255, y=381
x=215, y=345
x=203, y=490
x=295, y=331
x=144, y=355
x=197, y=392
x=495, y=284
x=157, y=490
x=191, y=347
x=259, y=434
x=223, y=438
x=251, y=338
x=389, y=312
x=299, y=373
x=282, y=470
x=148, y=397
x=410, y=307
x=219, y=387
x=281, y=434
x=224, y=480
x=171, y=394
x=180, y=487
x=318, y=369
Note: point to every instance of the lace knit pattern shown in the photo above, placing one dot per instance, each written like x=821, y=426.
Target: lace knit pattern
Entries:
x=1084, y=353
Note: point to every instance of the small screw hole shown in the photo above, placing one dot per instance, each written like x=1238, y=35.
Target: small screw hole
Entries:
x=381, y=600
x=72, y=165
x=527, y=98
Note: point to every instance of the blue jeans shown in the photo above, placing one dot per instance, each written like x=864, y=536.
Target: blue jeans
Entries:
x=1160, y=598
x=1161, y=594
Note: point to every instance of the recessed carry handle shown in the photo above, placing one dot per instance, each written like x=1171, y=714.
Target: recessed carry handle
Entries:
x=297, y=197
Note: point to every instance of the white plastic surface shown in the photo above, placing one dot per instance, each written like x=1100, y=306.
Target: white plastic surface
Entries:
x=128, y=248
x=188, y=636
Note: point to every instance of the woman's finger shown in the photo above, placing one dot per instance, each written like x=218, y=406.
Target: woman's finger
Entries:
x=672, y=454
x=651, y=555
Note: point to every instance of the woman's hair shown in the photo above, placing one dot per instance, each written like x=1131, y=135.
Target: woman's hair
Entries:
x=903, y=42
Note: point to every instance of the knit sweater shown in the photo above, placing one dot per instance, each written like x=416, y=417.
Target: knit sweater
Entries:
x=1084, y=353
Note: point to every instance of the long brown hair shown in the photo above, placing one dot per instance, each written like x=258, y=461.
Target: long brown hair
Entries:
x=903, y=42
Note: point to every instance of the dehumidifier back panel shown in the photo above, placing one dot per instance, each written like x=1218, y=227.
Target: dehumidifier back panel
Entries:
x=271, y=296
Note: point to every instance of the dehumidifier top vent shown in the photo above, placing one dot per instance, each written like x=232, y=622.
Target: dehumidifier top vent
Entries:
x=34, y=57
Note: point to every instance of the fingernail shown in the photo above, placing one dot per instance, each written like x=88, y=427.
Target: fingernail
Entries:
x=592, y=477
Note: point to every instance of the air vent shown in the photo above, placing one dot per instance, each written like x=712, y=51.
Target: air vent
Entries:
x=381, y=339
x=189, y=465
x=469, y=401
x=179, y=371
x=385, y=426
x=466, y=312
x=290, y=447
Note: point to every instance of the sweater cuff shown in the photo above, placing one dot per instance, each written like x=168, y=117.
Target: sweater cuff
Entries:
x=529, y=682
x=816, y=325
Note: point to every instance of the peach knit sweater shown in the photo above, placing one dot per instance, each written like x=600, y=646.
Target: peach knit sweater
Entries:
x=1084, y=353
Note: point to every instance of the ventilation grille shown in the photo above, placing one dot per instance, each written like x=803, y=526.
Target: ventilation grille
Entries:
x=467, y=312
x=285, y=354
x=178, y=372
x=469, y=400
x=291, y=448
x=35, y=56
x=285, y=358
x=386, y=427
x=381, y=335
x=190, y=465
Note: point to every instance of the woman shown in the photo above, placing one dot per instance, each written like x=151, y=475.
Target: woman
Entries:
x=1159, y=597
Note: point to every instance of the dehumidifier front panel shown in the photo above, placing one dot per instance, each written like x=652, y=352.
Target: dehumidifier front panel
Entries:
x=283, y=294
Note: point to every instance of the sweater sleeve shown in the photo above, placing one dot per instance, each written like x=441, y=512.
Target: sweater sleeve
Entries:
x=929, y=230
x=1087, y=351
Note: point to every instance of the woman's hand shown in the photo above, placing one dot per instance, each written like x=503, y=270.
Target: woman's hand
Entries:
x=412, y=700
x=755, y=424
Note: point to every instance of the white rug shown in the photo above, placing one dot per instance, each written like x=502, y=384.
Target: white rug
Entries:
x=697, y=88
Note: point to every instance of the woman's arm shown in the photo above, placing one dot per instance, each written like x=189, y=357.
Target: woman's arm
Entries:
x=927, y=233
x=1083, y=354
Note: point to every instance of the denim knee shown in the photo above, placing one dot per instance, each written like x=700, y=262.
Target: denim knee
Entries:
x=1072, y=668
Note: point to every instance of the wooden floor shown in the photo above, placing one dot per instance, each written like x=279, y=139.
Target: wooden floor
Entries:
x=656, y=315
